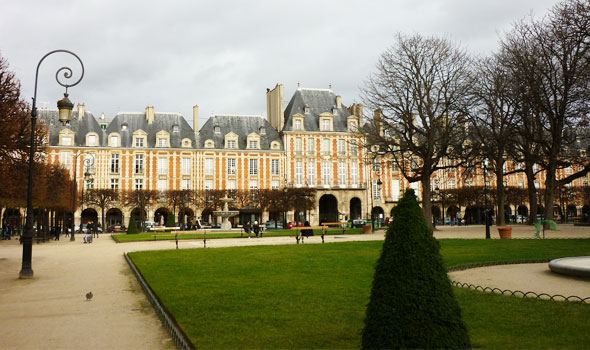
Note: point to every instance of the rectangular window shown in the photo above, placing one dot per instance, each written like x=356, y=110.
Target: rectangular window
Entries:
x=310, y=146
x=66, y=140
x=186, y=166
x=138, y=184
x=114, y=163
x=311, y=173
x=298, y=146
x=253, y=185
x=253, y=166
x=354, y=174
x=376, y=165
x=139, y=142
x=275, y=184
x=274, y=167
x=162, y=184
x=325, y=146
x=341, y=147
x=91, y=140
x=231, y=185
x=65, y=158
x=231, y=144
x=114, y=184
x=395, y=189
x=326, y=173
x=139, y=163
x=185, y=184
x=161, y=142
x=297, y=124
x=298, y=173
x=253, y=144
x=231, y=166
x=342, y=173
x=325, y=124
x=162, y=165
x=114, y=141
x=354, y=150
x=209, y=166
x=209, y=185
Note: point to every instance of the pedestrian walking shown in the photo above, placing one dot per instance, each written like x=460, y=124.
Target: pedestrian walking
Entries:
x=247, y=228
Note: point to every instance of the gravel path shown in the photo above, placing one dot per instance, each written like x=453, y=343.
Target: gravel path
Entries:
x=50, y=311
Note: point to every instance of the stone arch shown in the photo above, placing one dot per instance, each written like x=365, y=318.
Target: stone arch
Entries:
x=571, y=211
x=378, y=214
x=186, y=216
x=114, y=217
x=328, y=208
x=88, y=214
x=523, y=210
x=136, y=214
x=586, y=212
x=161, y=215
x=12, y=217
x=356, y=209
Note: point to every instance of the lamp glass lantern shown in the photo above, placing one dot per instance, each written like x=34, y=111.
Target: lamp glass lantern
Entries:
x=65, y=107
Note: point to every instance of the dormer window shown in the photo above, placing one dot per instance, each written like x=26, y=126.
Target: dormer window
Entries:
x=325, y=125
x=231, y=144
x=306, y=109
x=275, y=145
x=326, y=122
x=175, y=128
x=253, y=144
x=297, y=124
x=161, y=142
x=124, y=126
x=186, y=143
x=217, y=129
x=209, y=144
x=91, y=140
x=139, y=142
x=114, y=141
x=262, y=130
x=352, y=126
x=51, y=121
x=66, y=141
x=162, y=139
x=253, y=141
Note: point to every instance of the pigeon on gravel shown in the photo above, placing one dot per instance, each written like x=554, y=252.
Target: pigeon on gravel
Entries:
x=89, y=296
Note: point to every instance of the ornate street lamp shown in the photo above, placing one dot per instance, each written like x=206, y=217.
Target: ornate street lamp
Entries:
x=88, y=163
x=65, y=107
x=379, y=183
x=485, y=190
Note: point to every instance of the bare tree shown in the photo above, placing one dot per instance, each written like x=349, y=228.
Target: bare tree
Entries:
x=102, y=198
x=551, y=59
x=420, y=91
x=179, y=199
x=493, y=114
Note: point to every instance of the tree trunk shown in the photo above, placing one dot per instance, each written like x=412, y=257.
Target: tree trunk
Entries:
x=550, y=183
x=530, y=177
x=500, y=219
x=426, y=199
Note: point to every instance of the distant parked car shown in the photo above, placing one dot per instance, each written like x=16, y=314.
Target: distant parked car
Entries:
x=116, y=228
x=272, y=224
x=292, y=224
x=358, y=223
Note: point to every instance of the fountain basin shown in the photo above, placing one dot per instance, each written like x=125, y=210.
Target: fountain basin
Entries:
x=574, y=266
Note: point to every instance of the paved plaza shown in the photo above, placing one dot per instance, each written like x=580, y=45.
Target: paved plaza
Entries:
x=50, y=311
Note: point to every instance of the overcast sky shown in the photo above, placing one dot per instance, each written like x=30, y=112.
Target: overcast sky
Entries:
x=222, y=55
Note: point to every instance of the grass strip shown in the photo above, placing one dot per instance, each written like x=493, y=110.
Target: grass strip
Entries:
x=163, y=236
x=314, y=296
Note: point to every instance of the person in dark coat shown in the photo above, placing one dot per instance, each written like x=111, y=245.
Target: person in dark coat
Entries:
x=247, y=228
x=307, y=231
x=256, y=228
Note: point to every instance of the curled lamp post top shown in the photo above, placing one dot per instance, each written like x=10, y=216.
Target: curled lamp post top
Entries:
x=67, y=74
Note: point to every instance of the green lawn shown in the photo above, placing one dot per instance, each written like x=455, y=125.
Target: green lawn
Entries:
x=314, y=296
x=152, y=236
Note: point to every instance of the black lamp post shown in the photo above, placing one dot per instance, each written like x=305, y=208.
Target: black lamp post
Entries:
x=379, y=183
x=65, y=107
x=485, y=189
x=88, y=162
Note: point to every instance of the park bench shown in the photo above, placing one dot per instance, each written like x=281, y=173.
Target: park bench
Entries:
x=341, y=225
x=300, y=237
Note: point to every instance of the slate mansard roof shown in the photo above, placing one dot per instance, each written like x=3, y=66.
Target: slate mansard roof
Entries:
x=319, y=101
x=80, y=127
x=242, y=126
x=168, y=122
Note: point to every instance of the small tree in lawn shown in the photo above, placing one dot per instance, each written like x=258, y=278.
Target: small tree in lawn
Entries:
x=132, y=228
x=170, y=220
x=412, y=303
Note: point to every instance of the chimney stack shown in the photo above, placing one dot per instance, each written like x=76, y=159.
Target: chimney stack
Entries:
x=81, y=109
x=338, y=101
x=275, y=107
x=196, y=118
x=149, y=114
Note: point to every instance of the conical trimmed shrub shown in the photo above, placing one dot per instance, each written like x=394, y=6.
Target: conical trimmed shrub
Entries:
x=132, y=227
x=170, y=220
x=412, y=303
